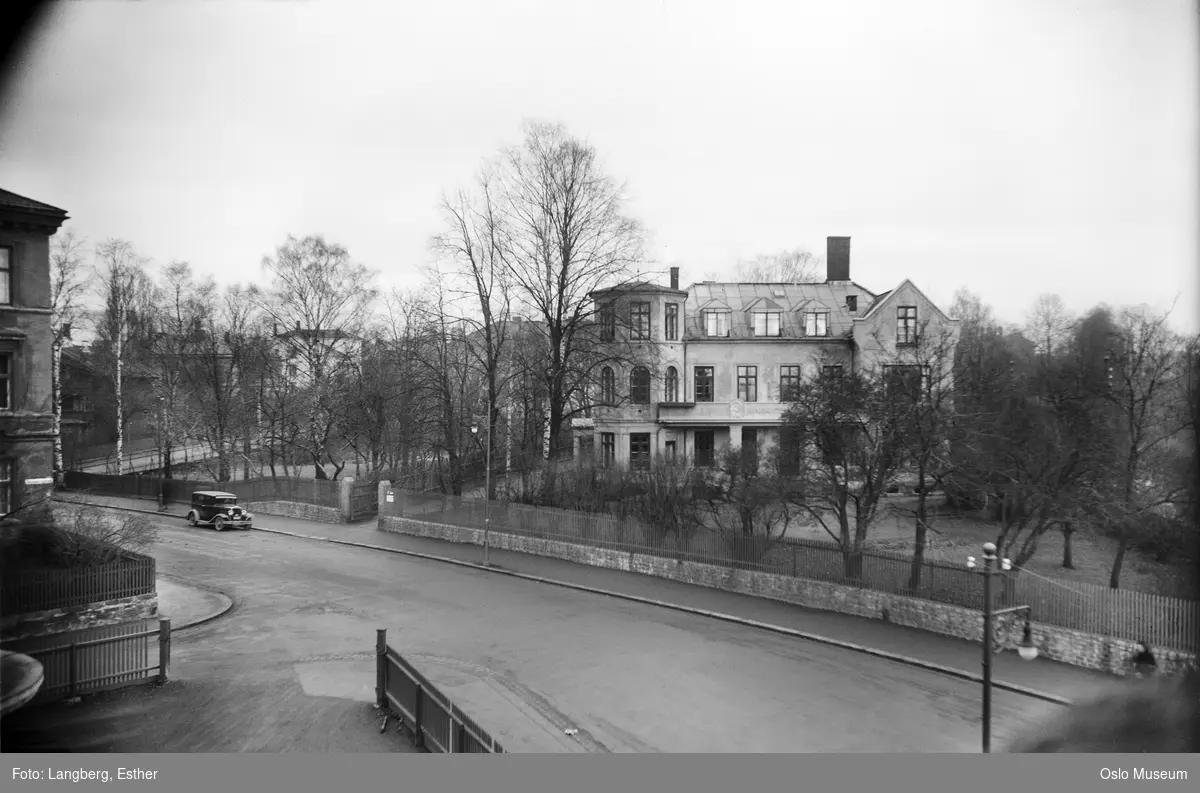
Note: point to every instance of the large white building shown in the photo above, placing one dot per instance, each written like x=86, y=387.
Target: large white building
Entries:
x=711, y=365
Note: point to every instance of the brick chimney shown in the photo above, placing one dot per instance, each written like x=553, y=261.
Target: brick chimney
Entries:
x=837, y=259
x=674, y=277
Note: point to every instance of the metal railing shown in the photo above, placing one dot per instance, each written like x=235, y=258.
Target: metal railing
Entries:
x=434, y=721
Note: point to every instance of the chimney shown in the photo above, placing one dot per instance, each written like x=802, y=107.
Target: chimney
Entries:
x=837, y=259
x=674, y=277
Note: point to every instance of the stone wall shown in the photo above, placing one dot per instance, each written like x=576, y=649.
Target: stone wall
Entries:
x=92, y=615
x=294, y=509
x=1068, y=646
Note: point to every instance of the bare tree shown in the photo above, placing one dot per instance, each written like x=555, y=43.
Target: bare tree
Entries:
x=566, y=238
x=844, y=435
x=796, y=266
x=320, y=300
x=475, y=241
x=127, y=291
x=68, y=291
x=748, y=503
x=1049, y=324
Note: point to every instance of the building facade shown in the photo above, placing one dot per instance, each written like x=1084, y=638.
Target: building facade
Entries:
x=709, y=367
x=26, y=419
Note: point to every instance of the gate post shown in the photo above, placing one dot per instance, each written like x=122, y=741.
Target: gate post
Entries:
x=164, y=649
x=381, y=668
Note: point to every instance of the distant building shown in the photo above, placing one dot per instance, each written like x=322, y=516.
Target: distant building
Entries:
x=26, y=419
x=721, y=357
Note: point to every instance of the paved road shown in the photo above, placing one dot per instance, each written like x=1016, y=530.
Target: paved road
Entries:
x=289, y=669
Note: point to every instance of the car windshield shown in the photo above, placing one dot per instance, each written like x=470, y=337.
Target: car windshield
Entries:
x=225, y=500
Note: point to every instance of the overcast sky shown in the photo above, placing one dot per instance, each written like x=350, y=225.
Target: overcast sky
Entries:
x=1012, y=147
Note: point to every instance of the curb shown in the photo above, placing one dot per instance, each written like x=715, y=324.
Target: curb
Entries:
x=812, y=637
x=228, y=607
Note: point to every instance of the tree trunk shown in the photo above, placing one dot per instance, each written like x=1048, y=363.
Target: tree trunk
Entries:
x=1068, y=531
x=1114, y=580
x=921, y=530
x=56, y=386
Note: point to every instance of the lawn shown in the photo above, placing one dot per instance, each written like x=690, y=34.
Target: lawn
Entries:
x=954, y=537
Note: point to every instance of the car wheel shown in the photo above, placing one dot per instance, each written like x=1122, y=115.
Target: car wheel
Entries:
x=219, y=523
x=192, y=519
x=247, y=527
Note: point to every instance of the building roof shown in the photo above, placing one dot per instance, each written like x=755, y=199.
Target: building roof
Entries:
x=10, y=200
x=742, y=300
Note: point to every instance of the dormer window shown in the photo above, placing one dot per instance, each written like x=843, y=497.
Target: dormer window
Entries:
x=716, y=323
x=816, y=323
x=852, y=302
x=766, y=323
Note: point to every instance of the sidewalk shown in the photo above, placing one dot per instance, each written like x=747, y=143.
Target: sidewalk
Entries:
x=186, y=603
x=1050, y=677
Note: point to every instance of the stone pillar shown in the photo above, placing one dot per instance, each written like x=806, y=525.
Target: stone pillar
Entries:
x=346, y=487
x=735, y=436
x=386, y=507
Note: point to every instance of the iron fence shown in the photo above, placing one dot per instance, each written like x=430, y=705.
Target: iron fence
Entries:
x=96, y=659
x=1162, y=621
x=26, y=591
x=319, y=492
x=436, y=722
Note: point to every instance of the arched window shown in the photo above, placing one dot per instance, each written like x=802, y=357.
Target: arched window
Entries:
x=608, y=386
x=671, y=385
x=639, y=386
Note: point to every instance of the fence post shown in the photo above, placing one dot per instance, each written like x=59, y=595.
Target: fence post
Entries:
x=383, y=490
x=418, y=736
x=793, y=561
x=381, y=667
x=164, y=649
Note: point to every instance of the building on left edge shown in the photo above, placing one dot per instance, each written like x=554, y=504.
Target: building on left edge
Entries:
x=26, y=417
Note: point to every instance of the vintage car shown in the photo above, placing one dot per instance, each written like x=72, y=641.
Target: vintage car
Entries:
x=217, y=509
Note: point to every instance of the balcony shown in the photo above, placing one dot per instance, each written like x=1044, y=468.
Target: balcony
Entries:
x=693, y=413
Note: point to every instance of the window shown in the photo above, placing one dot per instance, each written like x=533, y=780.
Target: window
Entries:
x=816, y=323
x=672, y=322
x=671, y=385
x=789, y=383
x=6, y=389
x=587, y=446
x=639, y=450
x=6, y=487
x=766, y=323
x=608, y=322
x=852, y=302
x=704, y=384
x=706, y=447
x=6, y=289
x=832, y=373
x=608, y=386
x=906, y=325
x=608, y=448
x=639, y=320
x=907, y=383
x=747, y=383
x=669, y=453
x=639, y=386
x=716, y=323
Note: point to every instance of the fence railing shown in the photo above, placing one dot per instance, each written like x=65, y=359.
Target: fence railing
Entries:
x=1162, y=621
x=96, y=659
x=26, y=591
x=435, y=722
x=319, y=492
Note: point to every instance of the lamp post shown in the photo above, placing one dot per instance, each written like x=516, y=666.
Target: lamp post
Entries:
x=1027, y=649
x=164, y=450
x=487, y=483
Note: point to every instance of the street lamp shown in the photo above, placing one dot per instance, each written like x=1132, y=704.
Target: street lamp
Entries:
x=1026, y=648
x=487, y=484
x=164, y=451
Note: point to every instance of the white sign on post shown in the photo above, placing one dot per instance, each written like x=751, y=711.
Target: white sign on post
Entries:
x=390, y=497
